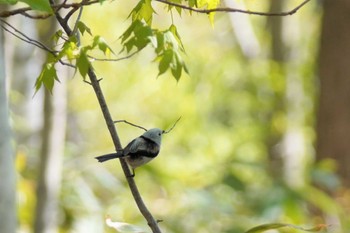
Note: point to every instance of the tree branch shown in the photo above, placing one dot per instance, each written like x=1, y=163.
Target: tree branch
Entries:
x=76, y=6
x=234, y=10
x=55, y=7
x=20, y=35
x=114, y=59
x=113, y=132
x=127, y=122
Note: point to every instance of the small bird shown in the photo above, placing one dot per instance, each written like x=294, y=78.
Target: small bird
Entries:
x=139, y=151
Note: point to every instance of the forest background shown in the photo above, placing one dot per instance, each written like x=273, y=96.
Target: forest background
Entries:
x=263, y=132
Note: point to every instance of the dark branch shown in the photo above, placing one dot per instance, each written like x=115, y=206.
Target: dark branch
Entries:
x=167, y=131
x=55, y=7
x=234, y=10
x=20, y=35
x=116, y=59
x=76, y=6
x=127, y=122
x=95, y=83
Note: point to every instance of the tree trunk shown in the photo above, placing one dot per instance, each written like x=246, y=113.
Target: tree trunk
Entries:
x=8, y=218
x=333, y=126
x=52, y=150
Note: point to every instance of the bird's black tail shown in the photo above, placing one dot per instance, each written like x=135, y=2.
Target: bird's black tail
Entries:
x=103, y=158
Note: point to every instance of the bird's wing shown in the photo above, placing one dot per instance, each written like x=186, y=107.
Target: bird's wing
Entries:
x=142, y=146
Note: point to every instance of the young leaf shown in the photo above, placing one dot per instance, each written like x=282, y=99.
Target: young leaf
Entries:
x=102, y=45
x=160, y=42
x=137, y=35
x=40, y=5
x=47, y=77
x=83, y=28
x=143, y=11
x=192, y=3
x=176, y=69
x=69, y=49
x=173, y=30
x=83, y=63
x=211, y=5
x=57, y=36
x=165, y=61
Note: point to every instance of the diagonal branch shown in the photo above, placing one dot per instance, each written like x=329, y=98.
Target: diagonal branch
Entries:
x=20, y=35
x=234, y=10
x=113, y=132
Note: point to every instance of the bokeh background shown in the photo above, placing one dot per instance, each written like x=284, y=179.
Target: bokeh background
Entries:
x=244, y=153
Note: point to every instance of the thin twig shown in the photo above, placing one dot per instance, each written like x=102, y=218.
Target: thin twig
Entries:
x=115, y=59
x=167, y=131
x=55, y=7
x=234, y=10
x=20, y=35
x=67, y=64
x=127, y=122
x=75, y=28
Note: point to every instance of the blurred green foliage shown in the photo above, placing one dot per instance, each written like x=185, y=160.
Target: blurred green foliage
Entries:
x=219, y=169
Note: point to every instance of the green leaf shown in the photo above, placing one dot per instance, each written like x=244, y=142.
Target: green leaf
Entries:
x=83, y=63
x=165, y=61
x=269, y=226
x=83, y=28
x=143, y=11
x=176, y=35
x=40, y=5
x=138, y=35
x=193, y=3
x=11, y=2
x=69, y=49
x=170, y=40
x=57, y=36
x=47, y=77
x=212, y=4
x=130, y=30
x=176, y=70
x=102, y=45
x=160, y=42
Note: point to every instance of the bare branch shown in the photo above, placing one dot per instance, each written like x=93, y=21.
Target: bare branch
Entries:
x=67, y=64
x=234, y=10
x=115, y=59
x=55, y=7
x=167, y=131
x=20, y=35
x=76, y=6
x=127, y=122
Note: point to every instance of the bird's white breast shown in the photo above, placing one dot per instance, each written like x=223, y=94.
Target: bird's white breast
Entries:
x=138, y=161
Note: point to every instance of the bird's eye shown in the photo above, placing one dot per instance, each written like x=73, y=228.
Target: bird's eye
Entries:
x=159, y=134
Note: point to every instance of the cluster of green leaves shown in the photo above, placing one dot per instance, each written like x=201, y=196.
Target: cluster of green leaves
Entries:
x=72, y=51
x=167, y=43
x=40, y=5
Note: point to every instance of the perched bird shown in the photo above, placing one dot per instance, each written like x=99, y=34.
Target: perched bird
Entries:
x=139, y=151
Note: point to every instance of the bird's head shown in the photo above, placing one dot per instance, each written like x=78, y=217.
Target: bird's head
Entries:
x=154, y=135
